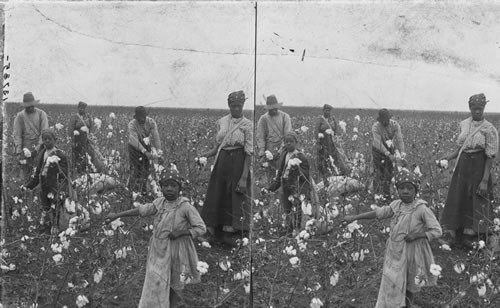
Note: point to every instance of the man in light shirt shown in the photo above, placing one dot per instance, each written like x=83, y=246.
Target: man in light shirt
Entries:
x=388, y=146
x=27, y=131
x=271, y=128
x=143, y=145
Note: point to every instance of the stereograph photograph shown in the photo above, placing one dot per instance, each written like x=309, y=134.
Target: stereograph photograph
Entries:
x=250, y=154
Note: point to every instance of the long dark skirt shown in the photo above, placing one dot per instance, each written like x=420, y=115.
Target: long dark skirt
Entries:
x=464, y=208
x=223, y=206
x=327, y=147
x=140, y=170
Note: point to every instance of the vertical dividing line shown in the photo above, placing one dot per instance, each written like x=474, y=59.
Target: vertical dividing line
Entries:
x=252, y=190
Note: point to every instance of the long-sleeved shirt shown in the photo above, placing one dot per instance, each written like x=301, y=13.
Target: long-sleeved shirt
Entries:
x=76, y=122
x=392, y=132
x=179, y=214
x=27, y=130
x=137, y=133
x=271, y=130
x=327, y=123
x=485, y=139
x=410, y=218
x=241, y=137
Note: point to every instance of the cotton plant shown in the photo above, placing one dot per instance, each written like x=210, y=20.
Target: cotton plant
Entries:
x=246, y=287
x=116, y=223
x=225, y=264
x=82, y=301
x=7, y=268
x=459, y=268
x=58, y=258
x=202, y=267
x=443, y=163
x=294, y=261
x=122, y=252
x=334, y=278
x=343, y=126
x=289, y=250
x=26, y=153
x=435, y=270
x=316, y=303
x=98, y=275
x=97, y=123
x=306, y=208
x=269, y=155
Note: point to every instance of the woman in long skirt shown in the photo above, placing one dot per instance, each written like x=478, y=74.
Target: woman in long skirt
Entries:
x=226, y=208
x=467, y=209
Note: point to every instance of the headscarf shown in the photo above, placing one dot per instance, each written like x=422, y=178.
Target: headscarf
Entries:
x=477, y=100
x=82, y=104
x=236, y=97
x=405, y=176
x=170, y=174
x=327, y=106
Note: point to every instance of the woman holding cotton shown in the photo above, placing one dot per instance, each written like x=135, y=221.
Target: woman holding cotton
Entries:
x=467, y=208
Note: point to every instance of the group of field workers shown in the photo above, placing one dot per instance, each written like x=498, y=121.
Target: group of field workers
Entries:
x=225, y=215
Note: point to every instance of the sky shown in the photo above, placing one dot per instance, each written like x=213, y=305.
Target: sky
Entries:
x=398, y=55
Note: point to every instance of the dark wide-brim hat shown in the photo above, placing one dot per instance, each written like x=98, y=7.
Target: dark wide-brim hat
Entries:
x=29, y=100
x=384, y=115
x=272, y=103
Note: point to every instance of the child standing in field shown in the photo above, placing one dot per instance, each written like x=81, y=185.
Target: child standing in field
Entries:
x=172, y=257
x=293, y=177
x=51, y=174
x=408, y=255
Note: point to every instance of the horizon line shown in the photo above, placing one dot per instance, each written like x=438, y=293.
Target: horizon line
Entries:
x=258, y=107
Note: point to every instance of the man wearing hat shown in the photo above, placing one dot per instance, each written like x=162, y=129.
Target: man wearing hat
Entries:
x=387, y=146
x=271, y=128
x=27, y=131
x=143, y=141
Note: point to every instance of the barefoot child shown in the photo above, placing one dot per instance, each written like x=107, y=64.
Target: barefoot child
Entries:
x=172, y=257
x=293, y=177
x=408, y=255
x=51, y=174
